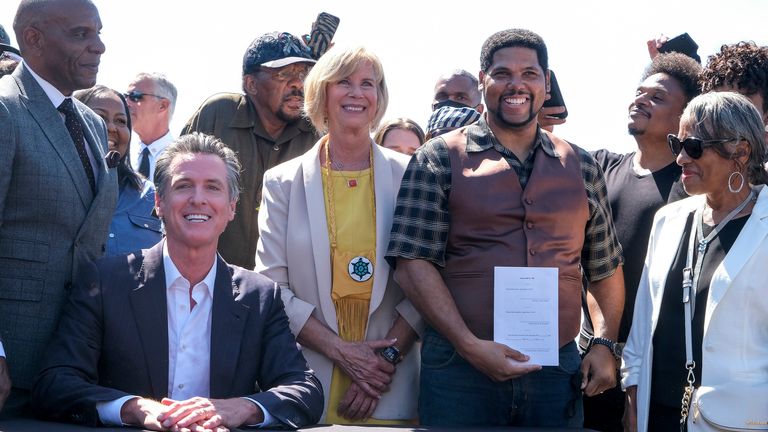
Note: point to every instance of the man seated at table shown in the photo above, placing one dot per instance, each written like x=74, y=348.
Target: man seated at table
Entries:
x=173, y=337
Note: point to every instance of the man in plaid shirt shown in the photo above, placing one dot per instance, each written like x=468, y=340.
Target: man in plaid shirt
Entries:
x=503, y=192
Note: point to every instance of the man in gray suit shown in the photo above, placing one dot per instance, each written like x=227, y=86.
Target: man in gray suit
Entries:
x=56, y=193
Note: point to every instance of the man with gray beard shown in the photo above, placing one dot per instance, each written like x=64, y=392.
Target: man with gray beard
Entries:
x=264, y=126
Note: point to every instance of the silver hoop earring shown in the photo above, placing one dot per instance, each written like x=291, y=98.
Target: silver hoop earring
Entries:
x=730, y=180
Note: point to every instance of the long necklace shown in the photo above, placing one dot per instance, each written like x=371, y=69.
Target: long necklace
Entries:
x=691, y=274
x=339, y=166
x=360, y=267
x=703, y=243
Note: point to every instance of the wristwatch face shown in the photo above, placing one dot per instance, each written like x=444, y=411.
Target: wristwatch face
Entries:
x=391, y=354
x=618, y=349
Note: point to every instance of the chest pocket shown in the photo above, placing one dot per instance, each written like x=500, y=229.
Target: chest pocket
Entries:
x=150, y=223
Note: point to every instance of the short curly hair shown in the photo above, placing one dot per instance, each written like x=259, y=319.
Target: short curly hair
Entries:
x=742, y=66
x=680, y=67
x=513, y=38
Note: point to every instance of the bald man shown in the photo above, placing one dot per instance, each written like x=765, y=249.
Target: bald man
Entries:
x=57, y=195
x=457, y=88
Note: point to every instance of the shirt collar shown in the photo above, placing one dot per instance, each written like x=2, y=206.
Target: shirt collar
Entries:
x=172, y=272
x=56, y=97
x=481, y=138
x=158, y=145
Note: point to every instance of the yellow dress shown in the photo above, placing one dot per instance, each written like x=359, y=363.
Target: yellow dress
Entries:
x=351, y=221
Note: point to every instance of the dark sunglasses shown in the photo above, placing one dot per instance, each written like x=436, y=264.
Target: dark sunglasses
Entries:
x=694, y=147
x=137, y=96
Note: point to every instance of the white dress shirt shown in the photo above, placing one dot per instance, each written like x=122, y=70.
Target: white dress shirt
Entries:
x=156, y=148
x=189, y=342
x=189, y=332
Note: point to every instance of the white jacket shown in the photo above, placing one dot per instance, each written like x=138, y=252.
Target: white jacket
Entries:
x=294, y=251
x=735, y=345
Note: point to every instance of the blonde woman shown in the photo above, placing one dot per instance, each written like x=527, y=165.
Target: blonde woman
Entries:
x=324, y=227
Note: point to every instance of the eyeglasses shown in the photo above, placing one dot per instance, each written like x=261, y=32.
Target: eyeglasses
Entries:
x=284, y=75
x=694, y=147
x=137, y=96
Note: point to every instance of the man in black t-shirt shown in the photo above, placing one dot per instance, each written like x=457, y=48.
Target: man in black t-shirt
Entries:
x=639, y=183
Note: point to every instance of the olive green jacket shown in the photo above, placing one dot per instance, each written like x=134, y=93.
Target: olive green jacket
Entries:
x=232, y=118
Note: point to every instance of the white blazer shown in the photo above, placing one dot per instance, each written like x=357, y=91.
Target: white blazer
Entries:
x=735, y=344
x=295, y=252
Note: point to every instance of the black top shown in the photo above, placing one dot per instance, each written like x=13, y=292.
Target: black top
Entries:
x=634, y=200
x=668, y=377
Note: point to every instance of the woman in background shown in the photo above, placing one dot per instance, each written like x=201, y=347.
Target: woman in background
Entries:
x=133, y=225
x=402, y=135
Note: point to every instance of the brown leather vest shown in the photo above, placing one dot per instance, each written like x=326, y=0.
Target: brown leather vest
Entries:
x=494, y=222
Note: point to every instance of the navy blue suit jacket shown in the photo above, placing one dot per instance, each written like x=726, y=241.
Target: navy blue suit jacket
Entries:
x=112, y=341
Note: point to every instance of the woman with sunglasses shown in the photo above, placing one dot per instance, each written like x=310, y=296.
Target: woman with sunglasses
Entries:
x=712, y=250
x=133, y=225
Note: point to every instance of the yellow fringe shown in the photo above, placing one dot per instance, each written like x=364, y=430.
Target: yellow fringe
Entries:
x=352, y=317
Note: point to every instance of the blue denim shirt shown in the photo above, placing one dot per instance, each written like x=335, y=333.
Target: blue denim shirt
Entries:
x=133, y=226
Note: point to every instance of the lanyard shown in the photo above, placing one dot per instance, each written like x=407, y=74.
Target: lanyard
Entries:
x=690, y=286
x=692, y=269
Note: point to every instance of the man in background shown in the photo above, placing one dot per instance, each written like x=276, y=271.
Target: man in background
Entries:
x=264, y=126
x=743, y=68
x=458, y=88
x=639, y=183
x=9, y=55
x=151, y=100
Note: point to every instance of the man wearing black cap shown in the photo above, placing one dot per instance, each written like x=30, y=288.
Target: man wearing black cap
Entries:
x=9, y=56
x=264, y=127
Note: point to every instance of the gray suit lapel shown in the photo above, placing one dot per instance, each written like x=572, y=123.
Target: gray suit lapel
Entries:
x=50, y=123
x=150, y=310
x=228, y=319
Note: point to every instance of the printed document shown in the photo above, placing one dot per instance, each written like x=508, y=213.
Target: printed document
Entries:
x=526, y=310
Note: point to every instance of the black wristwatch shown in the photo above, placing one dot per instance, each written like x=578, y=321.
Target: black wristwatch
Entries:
x=391, y=354
x=614, y=347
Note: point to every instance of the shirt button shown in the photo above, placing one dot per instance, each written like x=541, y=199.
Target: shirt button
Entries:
x=531, y=251
x=529, y=225
x=111, y=235
x=181, y=386
x=146, y=226
x=528, y=201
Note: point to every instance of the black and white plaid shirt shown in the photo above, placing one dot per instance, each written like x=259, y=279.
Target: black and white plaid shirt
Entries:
x=421, y=221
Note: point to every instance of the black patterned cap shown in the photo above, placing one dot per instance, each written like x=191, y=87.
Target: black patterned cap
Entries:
x=275, y=50
x=4, y=38
x=5, y=42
